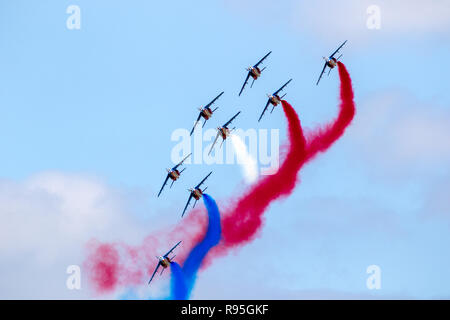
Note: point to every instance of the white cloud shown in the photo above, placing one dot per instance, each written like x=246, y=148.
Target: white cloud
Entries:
x=399, y=132
x=348, y=19
x=46, y=222
x=54, y=219
x=405, y=142
x=50, y=217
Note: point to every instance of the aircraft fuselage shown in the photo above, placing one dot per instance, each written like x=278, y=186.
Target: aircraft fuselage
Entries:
x=206, y=113
x=174, y=174
x=332, y=63
x=255, y=72
x=197, y=194
x=165, y=262
x=275, y=100
x=224, y=132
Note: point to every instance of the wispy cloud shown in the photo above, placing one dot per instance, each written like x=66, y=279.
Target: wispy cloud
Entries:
x=46, y=222
x=400, y=132
x=347, y=19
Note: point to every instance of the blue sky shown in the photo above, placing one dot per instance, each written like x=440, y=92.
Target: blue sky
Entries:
x=95, y=109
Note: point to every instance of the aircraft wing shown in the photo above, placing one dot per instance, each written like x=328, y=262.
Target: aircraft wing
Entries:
x=246, y=81
x=338, y=49
x=321, y=74
x=196, y=121
x=276, y=92
x=181, y=162
x=265, y=108
x=215, y=140
x=262, y=59
x=229, y=121
x=171, y=249
x=164, y=184
x=214, y=100
x=204, y=179
x=189, y=200
x=154, y=272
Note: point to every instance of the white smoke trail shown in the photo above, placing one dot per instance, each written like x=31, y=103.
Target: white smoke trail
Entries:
x=247, y=162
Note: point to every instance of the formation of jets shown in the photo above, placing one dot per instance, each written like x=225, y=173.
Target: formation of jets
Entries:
x=224, y=131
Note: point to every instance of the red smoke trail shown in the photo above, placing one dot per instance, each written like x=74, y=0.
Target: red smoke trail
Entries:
x=322, y=138
x=112, y=265
x=242, y=221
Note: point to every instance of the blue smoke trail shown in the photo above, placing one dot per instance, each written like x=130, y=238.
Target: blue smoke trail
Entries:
x=177, y=283
x=182, y=286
